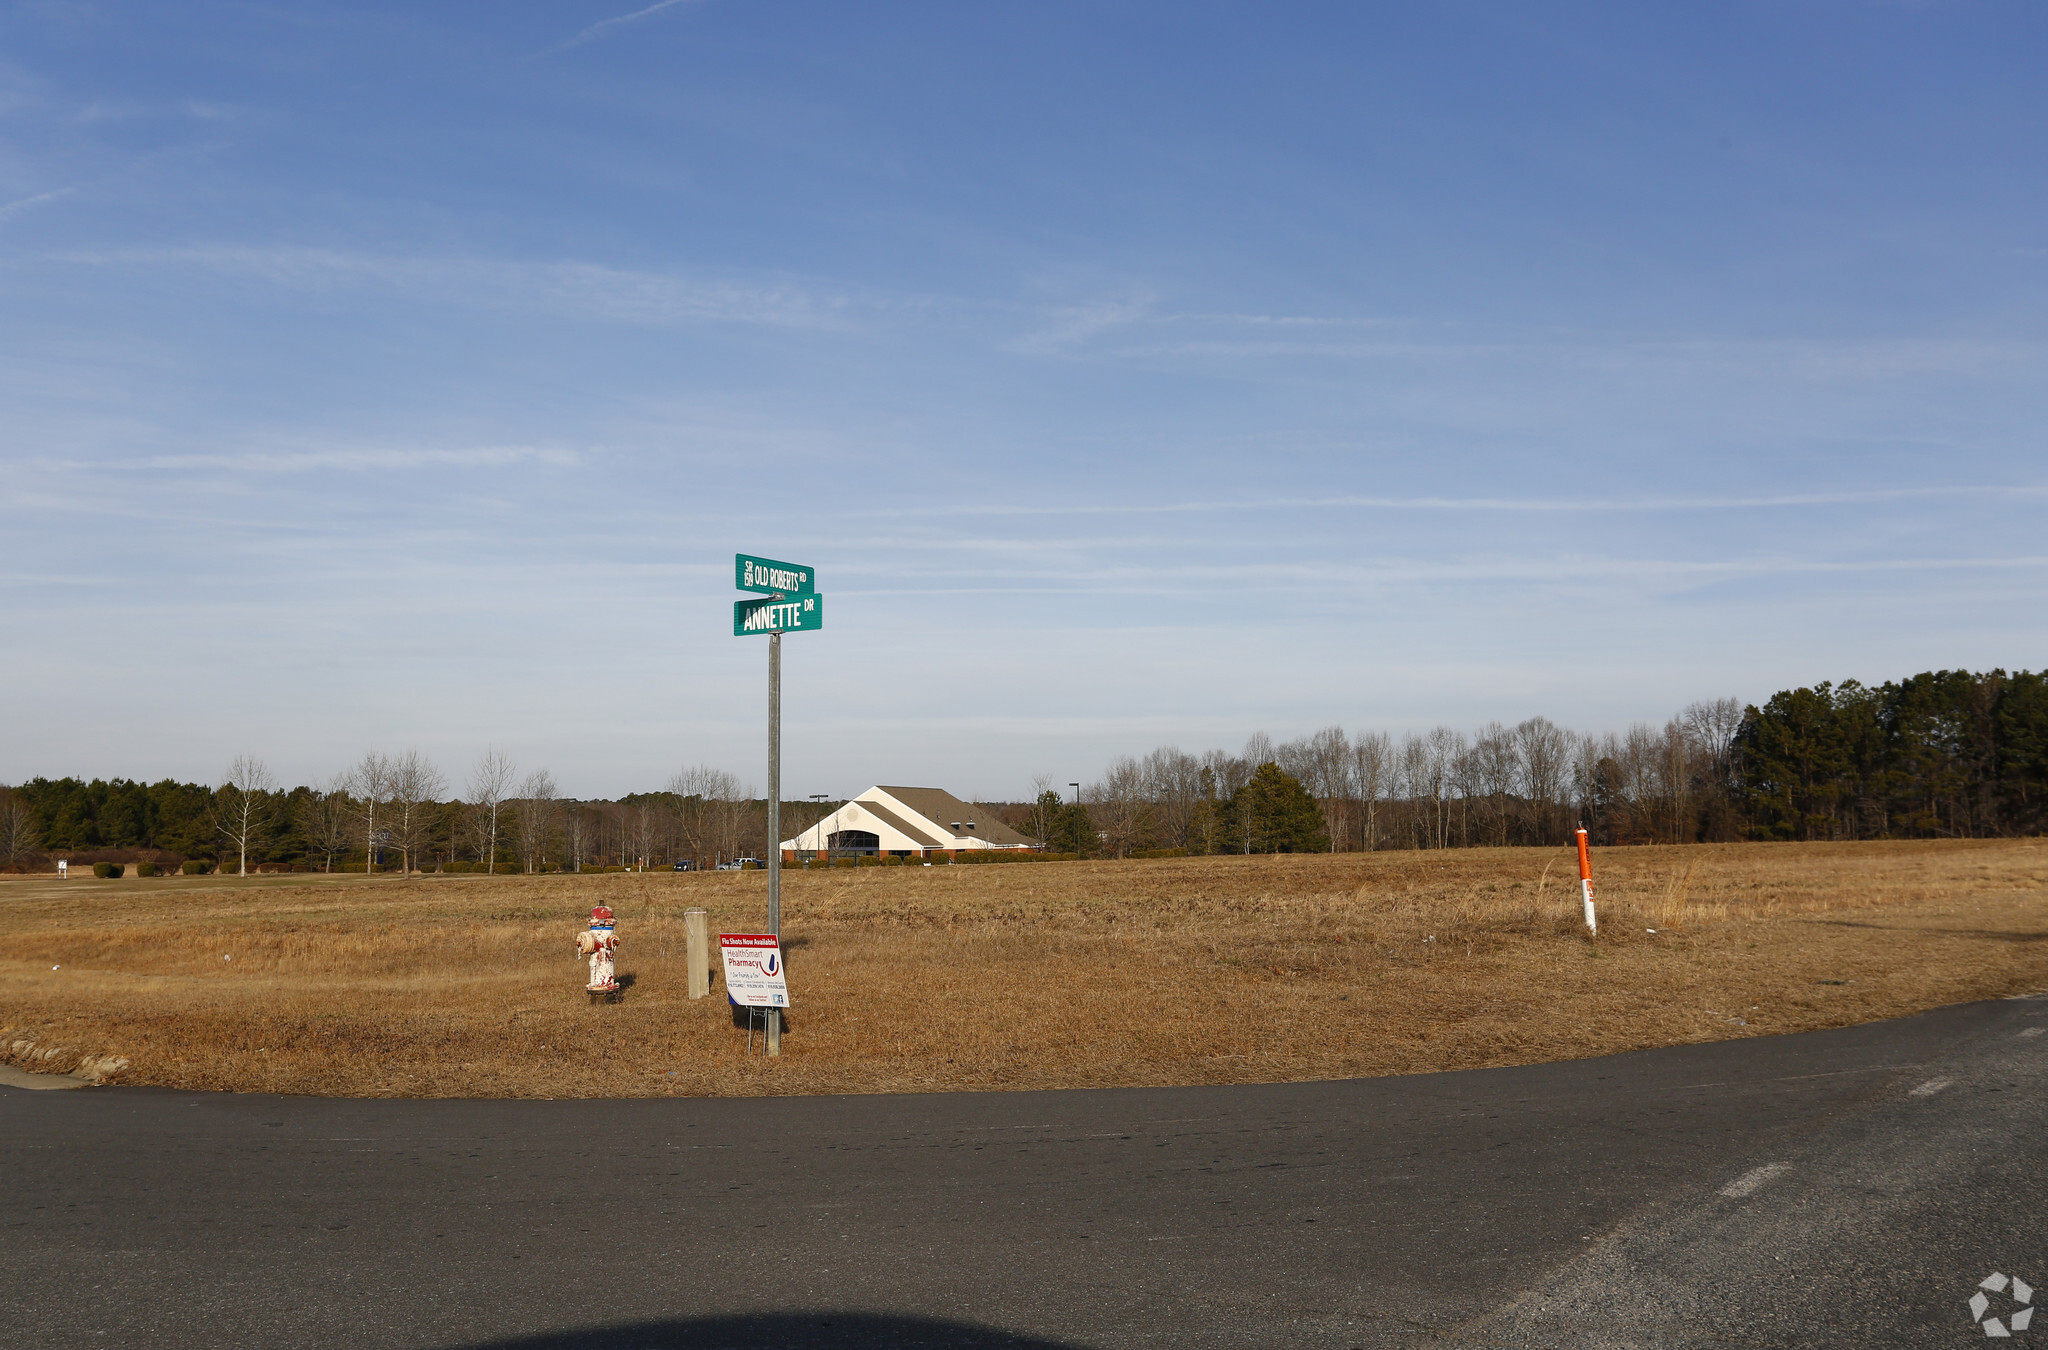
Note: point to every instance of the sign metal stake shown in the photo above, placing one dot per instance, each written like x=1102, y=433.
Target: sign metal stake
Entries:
x=773, y=1036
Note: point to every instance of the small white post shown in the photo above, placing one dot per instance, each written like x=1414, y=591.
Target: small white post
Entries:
x=1586, y=883
x=698, y=939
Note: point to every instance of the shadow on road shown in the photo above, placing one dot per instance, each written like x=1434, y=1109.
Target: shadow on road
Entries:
x=780, y=1331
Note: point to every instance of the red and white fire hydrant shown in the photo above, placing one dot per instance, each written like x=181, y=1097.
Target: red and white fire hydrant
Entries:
x=598, y=943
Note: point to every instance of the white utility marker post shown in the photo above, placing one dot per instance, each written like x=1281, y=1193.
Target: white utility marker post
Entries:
x=1586, y=883
x=793, y=605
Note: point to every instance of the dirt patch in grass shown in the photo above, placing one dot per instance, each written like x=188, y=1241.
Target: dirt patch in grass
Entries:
x=1168, y=971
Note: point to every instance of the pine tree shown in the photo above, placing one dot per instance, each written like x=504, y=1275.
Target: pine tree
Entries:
x=1075, y=832
x=1273, y=813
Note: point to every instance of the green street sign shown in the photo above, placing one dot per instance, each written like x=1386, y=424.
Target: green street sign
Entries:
x=771, y=577
x=799, y=614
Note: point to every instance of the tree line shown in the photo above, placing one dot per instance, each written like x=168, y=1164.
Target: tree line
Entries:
x=390, y=811
x=1941, y=754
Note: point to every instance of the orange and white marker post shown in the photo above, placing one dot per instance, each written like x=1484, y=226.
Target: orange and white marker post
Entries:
x=1586, y=882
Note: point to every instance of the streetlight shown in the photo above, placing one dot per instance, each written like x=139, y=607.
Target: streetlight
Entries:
x=820, y=798
x=1077, y=792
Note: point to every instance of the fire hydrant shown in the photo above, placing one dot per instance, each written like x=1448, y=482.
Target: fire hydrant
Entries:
x=598, y=943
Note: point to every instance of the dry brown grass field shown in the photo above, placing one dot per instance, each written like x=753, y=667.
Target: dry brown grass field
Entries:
x=1198, y=970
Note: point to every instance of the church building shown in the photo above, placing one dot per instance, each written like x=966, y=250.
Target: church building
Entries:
x=906, y=822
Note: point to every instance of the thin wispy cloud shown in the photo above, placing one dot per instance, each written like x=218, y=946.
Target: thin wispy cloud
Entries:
x=347, y=460
x=584, y=289
x=1513, y=504
x=1139, y=330
x=1069, y=324
x=357, y=461
x=1197, y=582
x=15, y=208
x=1073, y=325
x=607, y=26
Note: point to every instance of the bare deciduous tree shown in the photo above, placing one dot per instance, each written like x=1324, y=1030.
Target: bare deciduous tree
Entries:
x=1044, y=810
x=1231, y=772
x=1714, y=725
x=1326, y=759
x=1120, y=811
x=489, y=781
x=1415, y=771
x=244, y=808
x=416, y=787
x=1372, y=775
x=715, y=809
x=535, y=811
x=1495, y=769
x=19, y=837
x=1173, y=780
x=1673, y=779
x=326, y=821
x=1543, y=751
x=646, y=821
x=369, y=786
x=576, y=829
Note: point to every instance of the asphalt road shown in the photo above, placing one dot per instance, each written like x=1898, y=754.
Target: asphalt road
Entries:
x=1798, y=1190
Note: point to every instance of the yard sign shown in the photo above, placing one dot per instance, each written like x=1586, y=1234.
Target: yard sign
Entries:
x=753, y=970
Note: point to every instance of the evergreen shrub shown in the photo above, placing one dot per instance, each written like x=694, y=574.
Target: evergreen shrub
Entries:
x=104, y=870
x=193, y=867
x=148, y=869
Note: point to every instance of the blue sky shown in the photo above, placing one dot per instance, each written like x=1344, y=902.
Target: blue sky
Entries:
x=1132, y=374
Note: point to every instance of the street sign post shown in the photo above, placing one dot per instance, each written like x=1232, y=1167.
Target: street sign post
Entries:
x=793, y=605
x=771, y=577
x=798, y=614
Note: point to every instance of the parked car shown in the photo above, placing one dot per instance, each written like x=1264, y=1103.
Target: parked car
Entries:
x=686, y=866
x=741, y=864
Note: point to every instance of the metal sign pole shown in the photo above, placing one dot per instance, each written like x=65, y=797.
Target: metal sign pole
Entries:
x=774, y=1032
x=789, y=603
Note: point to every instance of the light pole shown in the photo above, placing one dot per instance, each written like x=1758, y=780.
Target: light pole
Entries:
x=818, y=814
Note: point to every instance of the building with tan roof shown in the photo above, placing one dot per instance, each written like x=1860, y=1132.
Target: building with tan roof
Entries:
x=905, y=822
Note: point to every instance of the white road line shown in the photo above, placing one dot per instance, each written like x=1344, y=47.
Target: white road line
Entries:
x=2032, y=1031
x=1931, y=1086
x=1755, y=1179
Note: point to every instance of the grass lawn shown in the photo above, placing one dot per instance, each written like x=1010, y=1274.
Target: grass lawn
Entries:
x=1184, y=970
